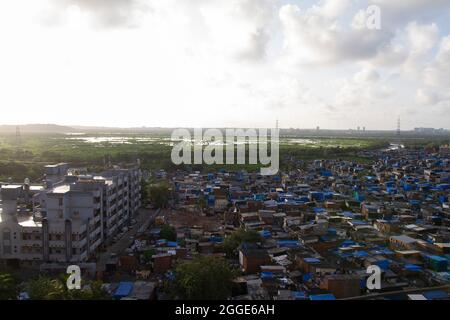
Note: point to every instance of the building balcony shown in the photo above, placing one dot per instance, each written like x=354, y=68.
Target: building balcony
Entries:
x=57, y=244
x=79, y=243
x=32, y=242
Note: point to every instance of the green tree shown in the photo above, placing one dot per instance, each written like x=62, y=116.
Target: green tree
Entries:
x=47, y=288
x=233, y=241
x=158, y=194
x=93, y=292
x=168, y=233
x=205, y=278
x=147, y=255
x=8, y=287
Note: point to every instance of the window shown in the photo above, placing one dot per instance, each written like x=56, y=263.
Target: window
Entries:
x=7, y=249
x=26, y=236
x=6, y=234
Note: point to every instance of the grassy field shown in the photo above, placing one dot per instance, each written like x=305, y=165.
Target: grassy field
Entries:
x=26, y=157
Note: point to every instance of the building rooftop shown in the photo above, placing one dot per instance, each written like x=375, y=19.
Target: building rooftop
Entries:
x=64, y=188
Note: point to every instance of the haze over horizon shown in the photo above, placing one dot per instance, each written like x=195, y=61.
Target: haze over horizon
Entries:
x=234, y=63
x=48, y=127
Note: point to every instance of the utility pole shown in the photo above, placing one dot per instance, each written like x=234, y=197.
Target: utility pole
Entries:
x=18, y=141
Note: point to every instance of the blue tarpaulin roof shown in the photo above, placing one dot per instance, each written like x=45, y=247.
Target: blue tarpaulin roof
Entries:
x=437, y=258
x=319, y=210
x=216, y=239
x=358, y=222
x=437, y=294
x=298, y=295
x=444, y=186
x=307, y=276
x=265, y=234
x=360, y=254
x=312, y=260
x=266, y=275
x=326, y=173
x=412, y=267
x=123, y=290
x=383, y=264
x=327, y=296
x=288, y=243
x=348, y=214
x=172, y=244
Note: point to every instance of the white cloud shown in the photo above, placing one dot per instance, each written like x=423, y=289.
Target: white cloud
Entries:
x=99, y=13
x=362, y=90
x=239, y=27
x=437, y=74
x=317, y=36
x=218, y=63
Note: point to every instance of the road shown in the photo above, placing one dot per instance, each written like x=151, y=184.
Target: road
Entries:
x=144, y=219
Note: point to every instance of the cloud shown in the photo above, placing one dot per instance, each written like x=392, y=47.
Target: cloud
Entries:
x=363, y=89
x=239, y=28
x=437, y=74
x=400, y=11
x=100, y=13
x=426, y=97
x=407, y=6
x=367, y=76
x=436, y=79
x=316, y=36
x=171, y=62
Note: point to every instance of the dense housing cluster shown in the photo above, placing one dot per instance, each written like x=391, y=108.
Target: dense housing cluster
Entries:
x=308, y=233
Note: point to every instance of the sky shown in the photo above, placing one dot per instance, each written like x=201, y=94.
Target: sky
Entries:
x=225, y=63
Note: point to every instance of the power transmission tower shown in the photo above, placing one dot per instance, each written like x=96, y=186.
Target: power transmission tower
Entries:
x=398, y=135
x=18, y=138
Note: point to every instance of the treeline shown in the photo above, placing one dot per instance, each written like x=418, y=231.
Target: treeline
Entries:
x=45, y=287
x=18, y=171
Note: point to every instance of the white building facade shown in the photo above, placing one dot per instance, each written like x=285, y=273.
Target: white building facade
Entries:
x=69, y=218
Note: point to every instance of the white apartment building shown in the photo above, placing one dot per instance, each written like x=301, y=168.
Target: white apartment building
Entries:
x=67, y=219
